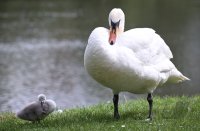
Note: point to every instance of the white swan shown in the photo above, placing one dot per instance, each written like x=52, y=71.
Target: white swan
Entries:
x=37, y=110
x=136, y=61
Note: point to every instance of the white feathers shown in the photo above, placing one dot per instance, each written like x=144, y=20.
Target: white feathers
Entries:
x=138, y=61
x=116, y=15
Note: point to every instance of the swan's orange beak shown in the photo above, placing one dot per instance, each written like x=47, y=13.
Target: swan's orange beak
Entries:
x=112, y=37
x=114, y=27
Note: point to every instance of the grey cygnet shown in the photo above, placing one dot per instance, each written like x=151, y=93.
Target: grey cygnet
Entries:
x=37, y=110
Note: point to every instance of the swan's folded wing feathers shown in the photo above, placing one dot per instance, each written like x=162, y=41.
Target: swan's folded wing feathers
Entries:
x=148, y=46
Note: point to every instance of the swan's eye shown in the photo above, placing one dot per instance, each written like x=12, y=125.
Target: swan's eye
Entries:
x=115, y=24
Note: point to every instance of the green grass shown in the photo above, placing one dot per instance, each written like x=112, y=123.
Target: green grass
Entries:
x=169, y=113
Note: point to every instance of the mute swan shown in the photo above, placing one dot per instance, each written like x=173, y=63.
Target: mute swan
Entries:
x=136, y=61
x=37, y=110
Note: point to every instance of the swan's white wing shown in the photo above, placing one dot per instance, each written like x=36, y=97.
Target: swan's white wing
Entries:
x=148, y=47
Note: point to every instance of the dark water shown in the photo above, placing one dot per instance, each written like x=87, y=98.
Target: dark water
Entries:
x=42, y=45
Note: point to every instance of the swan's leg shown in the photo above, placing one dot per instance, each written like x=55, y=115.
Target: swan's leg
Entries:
x=150, y=101
x=115, y=102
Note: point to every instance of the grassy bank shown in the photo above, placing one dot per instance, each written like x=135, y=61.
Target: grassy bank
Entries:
x=169, y=113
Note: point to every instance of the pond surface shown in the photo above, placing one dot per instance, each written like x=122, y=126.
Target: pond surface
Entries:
x=42, y=45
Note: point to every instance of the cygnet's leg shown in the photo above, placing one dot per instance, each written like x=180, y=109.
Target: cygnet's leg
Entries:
x=150, y=101
x=115, y=102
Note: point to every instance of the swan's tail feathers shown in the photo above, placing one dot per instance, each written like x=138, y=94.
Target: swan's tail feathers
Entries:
x=183, y=78
x=177, y=77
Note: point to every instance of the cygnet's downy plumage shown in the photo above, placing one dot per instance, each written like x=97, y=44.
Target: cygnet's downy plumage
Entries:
x=37, y=110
